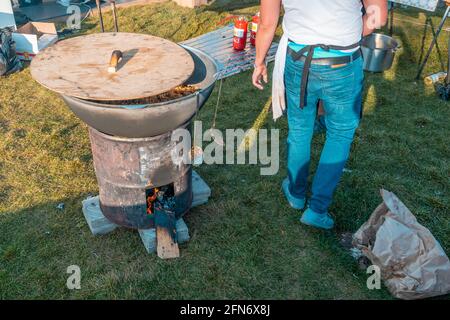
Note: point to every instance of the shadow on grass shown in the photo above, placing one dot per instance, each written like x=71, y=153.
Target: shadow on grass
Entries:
x=233, y=254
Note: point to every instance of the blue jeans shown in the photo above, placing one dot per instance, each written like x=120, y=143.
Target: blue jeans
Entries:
x=340, y=89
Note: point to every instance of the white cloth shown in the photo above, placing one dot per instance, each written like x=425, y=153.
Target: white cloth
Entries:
x=309, y=22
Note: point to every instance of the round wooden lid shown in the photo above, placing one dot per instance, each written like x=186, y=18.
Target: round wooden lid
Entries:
x=79, y=67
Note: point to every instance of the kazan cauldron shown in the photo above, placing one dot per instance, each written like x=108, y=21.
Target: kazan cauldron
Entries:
x=130, y=139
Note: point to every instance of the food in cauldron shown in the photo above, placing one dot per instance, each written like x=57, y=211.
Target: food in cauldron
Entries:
x=178, y=92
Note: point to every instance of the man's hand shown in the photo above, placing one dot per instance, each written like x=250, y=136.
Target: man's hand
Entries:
x=270, y=13
x=376, y=15
x=260, y=76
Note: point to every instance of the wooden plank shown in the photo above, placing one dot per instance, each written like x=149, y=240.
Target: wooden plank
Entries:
x=148, y=236
x=78, y=67
x=166, y=247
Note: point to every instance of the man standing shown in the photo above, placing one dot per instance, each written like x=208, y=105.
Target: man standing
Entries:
x=318, y=59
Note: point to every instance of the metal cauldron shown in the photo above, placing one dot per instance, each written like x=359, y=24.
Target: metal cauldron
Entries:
x=150, y=120
x=379, y=52
x=132, y=143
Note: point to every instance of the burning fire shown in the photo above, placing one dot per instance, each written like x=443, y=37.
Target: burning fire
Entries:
x=151, y=200
x=163, y=197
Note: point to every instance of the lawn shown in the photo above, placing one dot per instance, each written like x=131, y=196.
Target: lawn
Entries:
x=246, y=242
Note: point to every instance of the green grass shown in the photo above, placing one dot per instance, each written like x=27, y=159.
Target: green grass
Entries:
x=246, y=242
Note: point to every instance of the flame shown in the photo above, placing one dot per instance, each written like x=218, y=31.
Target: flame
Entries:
x=151, y=199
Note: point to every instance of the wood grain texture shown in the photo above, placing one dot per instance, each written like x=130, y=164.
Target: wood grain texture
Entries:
x=166, y=247
x=78, y=67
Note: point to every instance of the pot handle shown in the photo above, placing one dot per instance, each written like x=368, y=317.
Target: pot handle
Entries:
x=116, y=56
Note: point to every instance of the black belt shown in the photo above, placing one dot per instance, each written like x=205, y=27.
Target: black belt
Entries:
x=309, y=60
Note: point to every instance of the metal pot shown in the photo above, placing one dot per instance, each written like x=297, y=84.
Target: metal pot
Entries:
x=143, y=121
x=379, y=52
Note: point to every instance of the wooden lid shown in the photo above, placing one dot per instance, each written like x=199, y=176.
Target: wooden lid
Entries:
x=78, y=67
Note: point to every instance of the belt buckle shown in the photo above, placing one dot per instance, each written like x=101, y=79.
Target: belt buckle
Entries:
x=335, y=66
x=340, y=65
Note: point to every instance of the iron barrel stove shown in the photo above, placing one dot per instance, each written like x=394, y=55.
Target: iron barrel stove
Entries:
x=133, y=91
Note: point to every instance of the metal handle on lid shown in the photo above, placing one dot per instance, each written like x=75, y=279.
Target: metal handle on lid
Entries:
x=116, y=56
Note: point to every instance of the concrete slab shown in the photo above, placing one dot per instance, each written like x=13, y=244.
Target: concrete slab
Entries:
x=199, y=187
x=98, y=224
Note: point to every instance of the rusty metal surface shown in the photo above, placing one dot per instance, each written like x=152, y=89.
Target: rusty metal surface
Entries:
x=126, y=168
x=219, y=45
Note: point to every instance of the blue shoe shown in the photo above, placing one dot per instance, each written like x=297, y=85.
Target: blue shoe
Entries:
x=322, y=221
x=298, y=204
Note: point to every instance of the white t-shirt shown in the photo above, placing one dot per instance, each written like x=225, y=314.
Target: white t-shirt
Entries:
x=307, y=22
x=331, y=22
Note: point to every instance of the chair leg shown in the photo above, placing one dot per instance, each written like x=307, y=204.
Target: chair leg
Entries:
x=433, y=43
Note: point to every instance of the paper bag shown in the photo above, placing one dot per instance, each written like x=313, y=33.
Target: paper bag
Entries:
x=412, y=262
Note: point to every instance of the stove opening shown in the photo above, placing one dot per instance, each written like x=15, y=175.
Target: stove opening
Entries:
x=162, y=197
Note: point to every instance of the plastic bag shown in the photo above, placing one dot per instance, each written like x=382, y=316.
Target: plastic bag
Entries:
x=412, y=262
x=9, y=62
